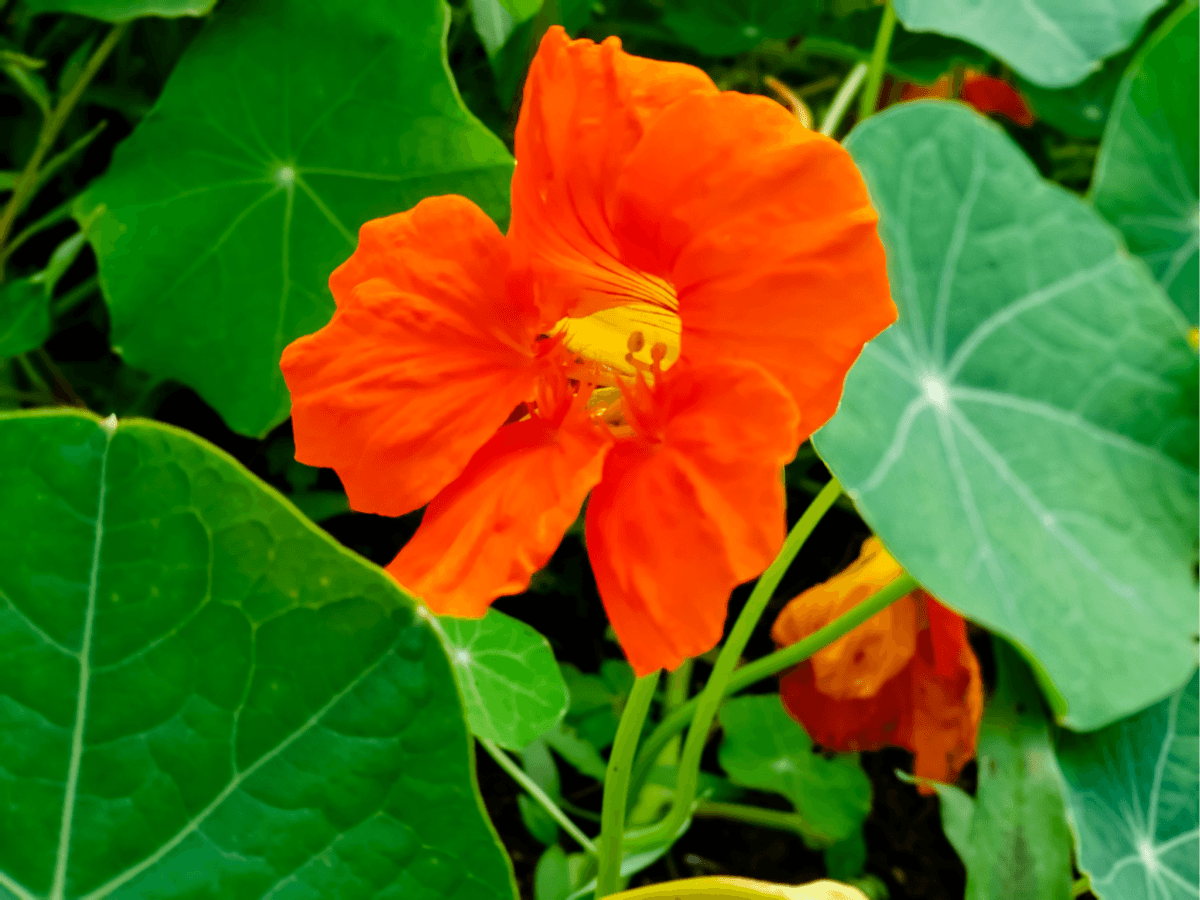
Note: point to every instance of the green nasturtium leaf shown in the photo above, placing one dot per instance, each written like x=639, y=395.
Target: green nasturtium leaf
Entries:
x=597, y=701
x=729, y=27
x=1133, y=790
x=765, y=748
x=1013, y=838
x=123, y=10
x=1023, y=439
x=204, y=696
x=24, y=316
x=282, y=129
x=1054, y=43
x=1145, y=181
x=509, y=679
x=539, y=765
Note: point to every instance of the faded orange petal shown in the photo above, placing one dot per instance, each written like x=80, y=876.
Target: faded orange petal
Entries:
x=766, y=232
x=425, y=357
x=501, y=520
x=858, y=664
x=585, y=107
x=690, y=511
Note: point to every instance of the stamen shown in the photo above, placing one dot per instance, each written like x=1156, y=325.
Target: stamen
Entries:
x=658, y=353
x=636, y=342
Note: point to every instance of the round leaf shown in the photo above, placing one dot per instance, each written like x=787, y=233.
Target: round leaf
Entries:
x=203, y=695
x=1132, y=792
x=123, y=10
x=1146, y=172
x=510, y=681
x=282, y=129
x=1053, y=43
x=1023, y=439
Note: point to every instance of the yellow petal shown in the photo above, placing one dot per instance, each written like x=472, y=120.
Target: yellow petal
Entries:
x=723, y=887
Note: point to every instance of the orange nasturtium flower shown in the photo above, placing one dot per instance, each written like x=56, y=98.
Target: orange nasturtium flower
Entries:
x=985, y=93
x=687, y=278
x=906, y=677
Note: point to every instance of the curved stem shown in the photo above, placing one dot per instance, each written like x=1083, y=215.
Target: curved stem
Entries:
x=616, y=784
x=841, y=100
x=507, y=763
x=714, y=691
x=24, y=188
x=771, y=664
x=883, y=40
x=756, y=815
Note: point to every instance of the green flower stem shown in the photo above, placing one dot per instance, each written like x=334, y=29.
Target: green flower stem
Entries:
x=616, y=784
x=841, y=100
x=51, y=126
x=714, y=691
x=756, y=815
x=883, y=40
x=678, y=683
x=518, y=775
x=771, y=664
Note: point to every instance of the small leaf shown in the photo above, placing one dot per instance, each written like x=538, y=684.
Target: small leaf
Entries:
x=509, y=679
x=321, y=505
x=729, y=27
x=552, y=877
x=207, y=697
x=765, y=748
x=598, y=700
x=1145, y=181
x=1132, y=792
x=1054, y=43
x=539, y=766
x=123, y=10
x=521, y=10
x=1032, y=410
x=581, y=755
x=30, y=83
x=493, y=23
x=24, y=316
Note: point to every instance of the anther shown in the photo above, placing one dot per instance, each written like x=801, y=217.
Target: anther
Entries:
x=636, y=342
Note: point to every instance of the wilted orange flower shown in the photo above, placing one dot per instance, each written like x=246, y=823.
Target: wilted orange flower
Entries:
x=906, y=677
x=985, y=93
x=687, y=278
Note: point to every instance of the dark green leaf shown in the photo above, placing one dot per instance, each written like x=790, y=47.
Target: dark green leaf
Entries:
x=1132, y=791
x=321, y=505
x=24, y=316
x=282, y=129
x=1082, y=109
x=539, y=766
x=729, y=27
x=1023, y=439
x=207, y=697
x=1146, y=173
x=123, y=10
x=597, y=700
x=765, y=748
x=509, y=679
x=1053, y=43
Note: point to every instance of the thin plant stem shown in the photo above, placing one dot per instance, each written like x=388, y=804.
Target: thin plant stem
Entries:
x=841, y=100
x=60, y=213
x=76, y=295
x=709, y=700
x=26, y=184
x=1082, y=885
x=507, y=763
x=756, y=815
x=883, y=41
x=772, y=664
x=616, y=785
x=60, y=380
x=678, y=683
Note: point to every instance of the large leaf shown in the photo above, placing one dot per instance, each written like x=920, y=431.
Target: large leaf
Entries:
x=123, y=10
x=282, y=129
x=1023, y=439
x=728, y=27
x=1146, y=173
x=1053, y=43
x=203, y=695
x=765, y=748
x=1013, y=837
x=509, y=679
x=1133, y=790
x=24, y=316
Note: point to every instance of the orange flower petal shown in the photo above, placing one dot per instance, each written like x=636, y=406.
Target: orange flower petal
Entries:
x=501, y=520
x=425, y=358
x=585, y=108
x=766, y=232
x=679, y=520
x=991, y=95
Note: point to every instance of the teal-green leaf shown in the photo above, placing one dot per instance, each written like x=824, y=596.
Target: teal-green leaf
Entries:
x=510, y=681
x=204, y=696
x=123, y=10
x=1145, y=181
x=1023, y=439
x=728, y=27
x=1018, y=843
x=1053, y=43
x=765, y=748
x=282, y=129
x=1133, y=791
x=24, y=316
